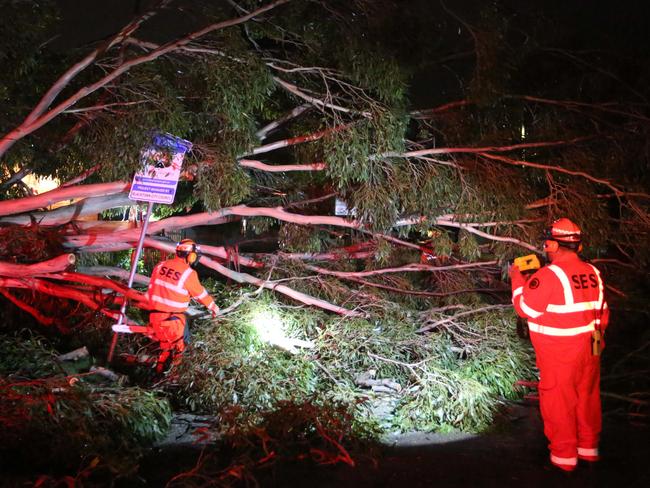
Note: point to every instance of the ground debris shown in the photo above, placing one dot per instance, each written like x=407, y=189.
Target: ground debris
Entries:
x=79, y=353
x=381, y=385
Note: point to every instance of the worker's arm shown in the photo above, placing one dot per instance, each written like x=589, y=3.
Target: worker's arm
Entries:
x=530, y=297
x=603, y=312
x=199, y=293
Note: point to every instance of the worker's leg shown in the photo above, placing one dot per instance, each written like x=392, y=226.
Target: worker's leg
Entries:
x=558, y=401
x=177, y=330
x=163, y=357
x=589, y=409
x=168, y=330
x=186, y=331
x=156, y=320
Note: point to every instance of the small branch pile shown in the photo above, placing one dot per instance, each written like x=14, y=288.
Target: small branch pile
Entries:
x=49, y=417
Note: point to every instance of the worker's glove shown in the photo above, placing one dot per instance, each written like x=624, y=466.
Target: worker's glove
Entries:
x=121, y=328
x=517, y=278
x=214, y=310
x=513, y=272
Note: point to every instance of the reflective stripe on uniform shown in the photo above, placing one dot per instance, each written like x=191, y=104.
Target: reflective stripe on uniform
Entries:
x=573, y=307
x=601, y=287
x=558, y=331
x=572, y=461
x=564, y=280
x=171, y=286
x=168, y=302
x=186, y=274
x=527, y=310
x=587, y=452
x=569, y=305
x=202, y=295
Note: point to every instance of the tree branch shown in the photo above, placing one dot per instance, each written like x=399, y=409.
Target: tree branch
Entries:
x=82, y=177
x=399, y=269
x=285, y=290
x=54, y=265
x=113, y=271
x=47, y=321
x=484, y=149
x=268, y=128
x=316, y=101
x=58, y=86
x=69, y=213
x=424, y=293
x=314, y=136
x=429, y=327
x=17, y=176
x=222, y=215
x=19, y=205
x=279, y=168
x=59, y=291
x=39, y=118
x=558, y=169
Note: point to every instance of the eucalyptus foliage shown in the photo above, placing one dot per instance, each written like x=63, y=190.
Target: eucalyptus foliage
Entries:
x=380, y=81
x=63, y=417
x=445, y=385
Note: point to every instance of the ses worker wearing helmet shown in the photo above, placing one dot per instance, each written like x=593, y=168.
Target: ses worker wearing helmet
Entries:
x=567, y=314
x=173, y=283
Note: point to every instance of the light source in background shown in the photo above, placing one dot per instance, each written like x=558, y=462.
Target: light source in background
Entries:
x=270, y=329
x=41, y=184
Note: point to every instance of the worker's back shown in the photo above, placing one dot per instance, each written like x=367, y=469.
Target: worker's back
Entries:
x=168, y=288
x=575, y=293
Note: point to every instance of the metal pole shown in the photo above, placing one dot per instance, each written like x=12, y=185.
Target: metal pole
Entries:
x=134, y=268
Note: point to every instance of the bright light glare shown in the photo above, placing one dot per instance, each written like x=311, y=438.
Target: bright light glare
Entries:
x=41, y=184
x=270, y=329
x=268, y=325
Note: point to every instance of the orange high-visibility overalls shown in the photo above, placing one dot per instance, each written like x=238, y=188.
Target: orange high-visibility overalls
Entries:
x=564, y=303
x=173, y=283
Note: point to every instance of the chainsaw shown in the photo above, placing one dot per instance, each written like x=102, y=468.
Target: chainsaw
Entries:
x=527, y=263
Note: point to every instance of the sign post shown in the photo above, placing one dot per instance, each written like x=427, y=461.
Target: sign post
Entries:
x=155, y=182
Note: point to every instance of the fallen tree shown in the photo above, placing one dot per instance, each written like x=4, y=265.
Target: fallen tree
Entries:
x=372, y=209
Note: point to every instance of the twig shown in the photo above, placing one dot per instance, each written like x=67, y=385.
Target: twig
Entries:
x=461, y=314
x=624, y=398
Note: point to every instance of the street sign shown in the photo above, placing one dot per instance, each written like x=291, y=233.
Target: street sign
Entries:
x=160, y=168
x=155, y=182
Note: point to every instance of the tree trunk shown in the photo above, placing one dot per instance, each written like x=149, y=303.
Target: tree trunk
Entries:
x=54, y=265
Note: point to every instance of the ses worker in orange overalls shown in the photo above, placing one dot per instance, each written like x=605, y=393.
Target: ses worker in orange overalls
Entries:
x=173, y=283
x=567, y=315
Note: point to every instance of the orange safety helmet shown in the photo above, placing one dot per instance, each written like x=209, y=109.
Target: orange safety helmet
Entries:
x=563, y=232
x=189, y=250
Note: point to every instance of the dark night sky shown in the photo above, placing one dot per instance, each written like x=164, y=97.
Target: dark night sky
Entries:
x=587, y=23
x=618, y=28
